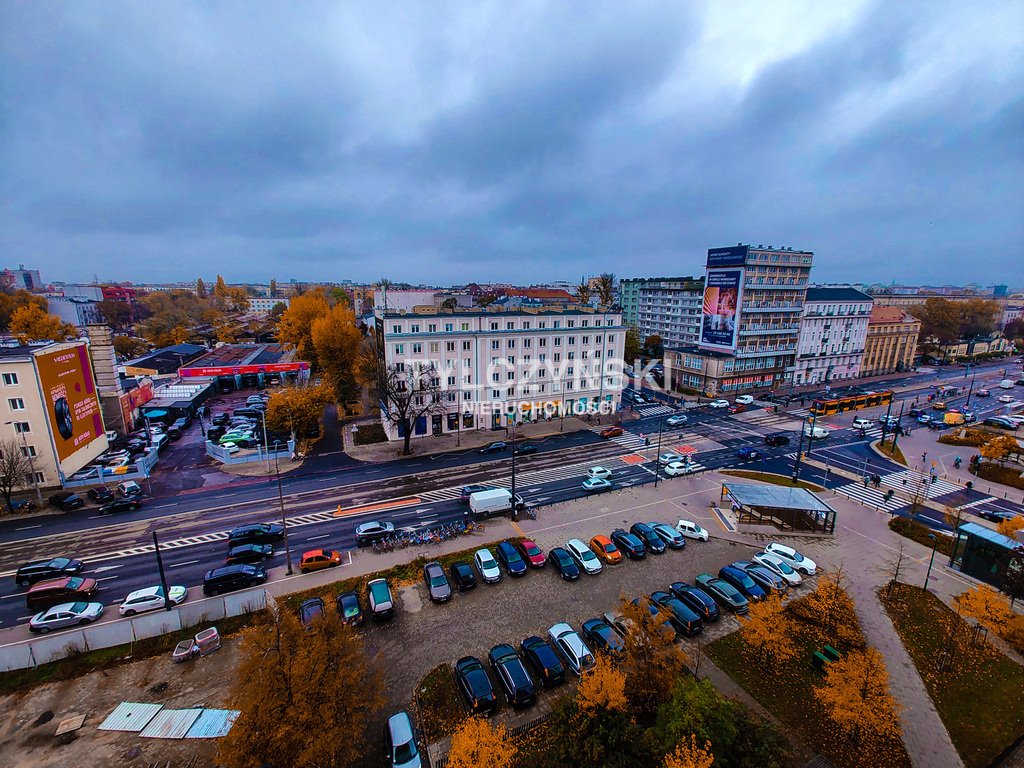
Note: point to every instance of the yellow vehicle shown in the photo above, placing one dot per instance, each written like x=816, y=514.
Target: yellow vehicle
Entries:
x=939, y=405
x=953, y=419
x=851, y=403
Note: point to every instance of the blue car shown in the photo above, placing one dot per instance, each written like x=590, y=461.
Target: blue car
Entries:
x=564, y=564
x=511, y=559
x=697, y=599
x=748, y=454
x=742, y=582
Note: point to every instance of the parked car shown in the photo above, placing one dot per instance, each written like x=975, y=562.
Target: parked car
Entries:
x=51, y=568
x=564, y=564
x=486, y=566
x=438, y=588
x=250, y=553
x=318, y=559
x=776, y=439
x=67, y=500
x=259, y=533
x=371, y=531
x=744, y=399
x=669, y=457
x=659, y=621
x=596, y=485
x=584, y=556
x=310, y=610
x=69, y=589
x=684, y=620
x=767, y=580
x=629, y=543
x=778, y=566
x=349, y=608
x=541, y=657
x=475, y=686
x=525, y=449
x=65, y=615
x=151, y=599
x=121, y=505
x=723, y=592
x=575, y=652
x=792, y=558
x=495, y=447
x=718, y=404
x=469, y=490
x=533, y=554
x=382, y=603
x=602, y=473
x=677, y=468
x=515, y=681
x=652, y=541
x=605, y=549
x=748, y=454
x=400, y=750
x=691, y=530
x=698, y=601
x=232, y=577
x=746, y=585
x=509, y=557
x=129, y=489
x=463, y=575
x=101, y=495
x=672, y=538
x=676, y=420
x=599, y=635
x=608, y=432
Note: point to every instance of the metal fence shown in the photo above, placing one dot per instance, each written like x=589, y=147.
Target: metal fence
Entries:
x=47, y=648
x=140, y=470
x=249, y=456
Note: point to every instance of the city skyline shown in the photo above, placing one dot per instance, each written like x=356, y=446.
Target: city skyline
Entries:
x=509, y=143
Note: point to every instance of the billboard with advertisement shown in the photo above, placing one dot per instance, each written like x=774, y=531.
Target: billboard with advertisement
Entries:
x=233, y=370
x=733, y=256
x=71, y=403
x=132, y=399
x=723, y=292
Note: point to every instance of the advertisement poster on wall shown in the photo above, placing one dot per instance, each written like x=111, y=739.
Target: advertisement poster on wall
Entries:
x=132, y=399
x=720, y=316
x=70, y=400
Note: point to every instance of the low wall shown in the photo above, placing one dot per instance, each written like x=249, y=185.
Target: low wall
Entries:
x=249, y=455
x=47, y=648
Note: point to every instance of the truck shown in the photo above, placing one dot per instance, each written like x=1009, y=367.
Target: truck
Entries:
x=495, y=501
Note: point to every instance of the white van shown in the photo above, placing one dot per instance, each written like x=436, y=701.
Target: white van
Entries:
x=815, y=433
x=495, y=501
x=1006, y=384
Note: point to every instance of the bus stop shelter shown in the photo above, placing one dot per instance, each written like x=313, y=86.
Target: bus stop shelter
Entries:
x=987, y=555
x=788, y=509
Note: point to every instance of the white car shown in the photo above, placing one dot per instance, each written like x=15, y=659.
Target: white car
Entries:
x=599, y=473
x=676, y=421
x=584, y=556
x=669, y=458
x=691, y=530
x=718, y=404
x=572, y=648
x=1016, y=418
x=862, y=423
x=1005, y=398
x=744, y=399
x=792, y=558
x=815, y=433
x=487, y=566
x=779, y=567
x=150, y=599
x=677, y=468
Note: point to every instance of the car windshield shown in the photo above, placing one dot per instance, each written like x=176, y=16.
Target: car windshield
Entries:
x=782, y=566
x=379, y=591
x=403, y=753
x=586, y=554
x=75, y=583
x=532, y=550
x=60, y=562
x=797, y=556
x=78, y=607
x=609, y=548
x=437, y=580
x=486, y=561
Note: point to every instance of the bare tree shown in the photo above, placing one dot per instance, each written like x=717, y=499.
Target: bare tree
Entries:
x=606, y=288
x=408, y=392
x=897, y=565
x=14, y=469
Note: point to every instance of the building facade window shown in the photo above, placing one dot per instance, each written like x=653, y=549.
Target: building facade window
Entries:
x=16, y=404
x=10, y=379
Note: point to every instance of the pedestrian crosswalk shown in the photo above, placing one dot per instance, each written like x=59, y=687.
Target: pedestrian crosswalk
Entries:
x=913, y=480
x=655, y=410
x=870, y=496
x=627, y=439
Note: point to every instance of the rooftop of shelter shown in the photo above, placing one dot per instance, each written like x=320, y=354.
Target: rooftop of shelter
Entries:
x=166, y=359
x=232, y=355
x=775, y=497
x=833, y=295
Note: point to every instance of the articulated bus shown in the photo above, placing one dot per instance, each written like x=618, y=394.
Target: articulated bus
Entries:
x=851, y=403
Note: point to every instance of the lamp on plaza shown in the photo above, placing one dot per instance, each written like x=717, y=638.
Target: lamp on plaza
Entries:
x=31, y=464
x=515, y=510
x=163, y=576
x=266, y=438
x=935, y=543
x=657, y=458
x=284, y=520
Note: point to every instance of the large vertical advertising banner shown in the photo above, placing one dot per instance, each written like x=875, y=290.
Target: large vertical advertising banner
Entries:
x=720, y=316
x=70, y=400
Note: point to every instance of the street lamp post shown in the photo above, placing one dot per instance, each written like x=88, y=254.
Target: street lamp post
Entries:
x=799, y=454
x=657, y=458
x=284, y=520
x=515, y=511
x=814, y=420
x=970, y=391
x=935, y=543
x=896, y=432
x=31, y=465
x=266, y=439
x=163, y=576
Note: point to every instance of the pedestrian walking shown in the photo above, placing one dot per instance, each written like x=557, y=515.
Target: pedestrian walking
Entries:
x=866, y=481
x=877, y=480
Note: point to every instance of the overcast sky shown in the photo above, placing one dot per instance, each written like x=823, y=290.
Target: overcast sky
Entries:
x=521, y=141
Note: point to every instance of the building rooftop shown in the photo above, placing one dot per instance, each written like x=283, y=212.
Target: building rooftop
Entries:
x=881, y=315
x=693, y=349
x=776, y=497
x=234, y=355
x=15, y=351
x=551, y=309
x=166, y=359
x=836, y=294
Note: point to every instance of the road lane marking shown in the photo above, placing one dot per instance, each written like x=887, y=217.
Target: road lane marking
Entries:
x=29, y=527
x=179, y=565
x=382, y=505
x=321, y=536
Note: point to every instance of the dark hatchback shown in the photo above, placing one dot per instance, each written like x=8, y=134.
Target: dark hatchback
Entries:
x=475, y=686
x=742, y=582
x=525, y=449
x=260, y=533
x=599, y=635
x=632, y=546
x=469, y=490
x=349, y=609
x=564, y=564
x=101, y=495
x=683, y=619
x=250, y=553
x=311, y=610
x=463, y=575
x=67, y=500
x=697, y=600
x=54, y=568
x=232, y=577
x=652, y=541
x=509, y=557
x=121, y=505
x=498, y=447
x=541, y=657
x=515, y=680
x=776, y=439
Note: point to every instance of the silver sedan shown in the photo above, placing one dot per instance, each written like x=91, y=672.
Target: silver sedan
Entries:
x=65, y=615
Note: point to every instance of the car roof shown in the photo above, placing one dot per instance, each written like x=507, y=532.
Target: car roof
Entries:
x=145, y=592
x=400, y=727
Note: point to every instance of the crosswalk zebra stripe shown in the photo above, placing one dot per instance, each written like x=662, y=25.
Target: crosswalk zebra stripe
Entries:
x=872, y=497
x=914, y=480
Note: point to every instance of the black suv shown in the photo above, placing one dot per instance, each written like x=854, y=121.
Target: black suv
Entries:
x=652, y=541
x=232, y=577
x=54, y=568
x=515, y=680
x=260, y=533
x=776, y=438
x=67, y=500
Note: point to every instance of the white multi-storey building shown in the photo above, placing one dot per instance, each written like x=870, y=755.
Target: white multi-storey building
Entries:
x=488, y=364
x=833, y=332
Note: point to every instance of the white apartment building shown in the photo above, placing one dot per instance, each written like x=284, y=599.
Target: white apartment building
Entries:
x=833, y=333
x=490, y=363
x=266, y=303
x=670, y=308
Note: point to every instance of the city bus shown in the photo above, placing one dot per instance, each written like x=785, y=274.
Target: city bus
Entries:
x=827, y=407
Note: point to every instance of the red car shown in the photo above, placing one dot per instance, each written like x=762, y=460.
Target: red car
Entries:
x=533, y=554
x=611, y=432
x=737, y=408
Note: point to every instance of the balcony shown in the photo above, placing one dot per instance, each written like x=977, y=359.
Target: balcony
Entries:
x=768, y=331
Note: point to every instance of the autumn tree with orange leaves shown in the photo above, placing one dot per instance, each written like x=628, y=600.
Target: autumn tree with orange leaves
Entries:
x=653, y=661
x=1011, y=526
x=994, y=612
x=855, y=695
x=828, y=613
x=293, y=690
x=602, y=688
x=476, y=742
x=768, y=632
x=690, y=755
